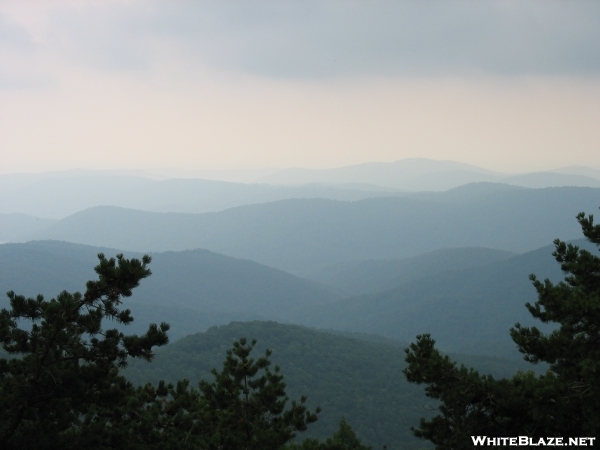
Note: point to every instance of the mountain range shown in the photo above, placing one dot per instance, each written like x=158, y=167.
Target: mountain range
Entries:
x=375, y=275
x=301, y=235
x=352, y=264
x=468, y=310
x=468, y=305
x=55, y=195
x=191, y=290
x=420, y=174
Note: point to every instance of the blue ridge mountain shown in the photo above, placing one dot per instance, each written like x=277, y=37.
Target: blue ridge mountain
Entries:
x=422, y=174
x=376, y=275
x=191, y=290
x=15, y=227
x=306, y=234
x=57, y=195
x=467, y=307
x=468, y=310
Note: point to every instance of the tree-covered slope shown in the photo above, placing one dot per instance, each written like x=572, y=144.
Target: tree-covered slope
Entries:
x=298, y=234
x=191, y=290
x=468, y=310
x=376, y=275
x=346, y=376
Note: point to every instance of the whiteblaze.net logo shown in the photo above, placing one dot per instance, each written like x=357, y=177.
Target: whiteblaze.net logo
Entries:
x=525, y=441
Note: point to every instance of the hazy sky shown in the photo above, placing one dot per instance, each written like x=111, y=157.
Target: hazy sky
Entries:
x=507, y=85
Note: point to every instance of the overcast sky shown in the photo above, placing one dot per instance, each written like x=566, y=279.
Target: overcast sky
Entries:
x=507, y=85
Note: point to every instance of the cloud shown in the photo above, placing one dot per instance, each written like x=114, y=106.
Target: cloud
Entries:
x=402, y=38
x=100, y=83
x=315, y=39
x=18, y=68
x=13, y=35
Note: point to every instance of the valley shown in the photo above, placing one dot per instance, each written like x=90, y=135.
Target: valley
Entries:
x=336, y=287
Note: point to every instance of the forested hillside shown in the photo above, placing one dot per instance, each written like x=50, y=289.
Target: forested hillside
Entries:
x=191, y=290
x=468, y=310
x=470, y=297
x=346, y=376
x=296, y=235
x=376, y=275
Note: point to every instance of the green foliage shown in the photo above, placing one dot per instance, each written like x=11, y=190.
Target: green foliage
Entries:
x=573, y=350
x=565, y=401
x=66, y=379
x=470, y=403
x=346, y=375
x=162, y=417
x=343, y=439
x=61, y=387
x=245, y=409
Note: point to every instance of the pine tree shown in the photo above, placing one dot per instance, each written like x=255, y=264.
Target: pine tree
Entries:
x=565, y=401
x=573, y=350
x=343, y=439
x=61, y=387
x=63, y=379
x=246, y=404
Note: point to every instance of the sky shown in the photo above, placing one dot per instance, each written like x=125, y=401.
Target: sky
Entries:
x=511, y=86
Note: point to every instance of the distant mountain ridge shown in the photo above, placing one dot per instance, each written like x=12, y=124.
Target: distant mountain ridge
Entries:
x=376, y=275
x=468, y=310
x=192, y=290
x=468, y=306
x=16, y=227
x=391, y=174
x=421, y=174
x=295, y=235
x=59, y=194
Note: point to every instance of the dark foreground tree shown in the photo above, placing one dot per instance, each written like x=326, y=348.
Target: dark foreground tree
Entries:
x=243, y=408
x=246, y=404
x=61, y=386
x=343, y=439
x=64, y=378
x=565, y=401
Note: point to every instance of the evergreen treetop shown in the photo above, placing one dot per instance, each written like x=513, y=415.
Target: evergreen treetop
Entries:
x=565, y=401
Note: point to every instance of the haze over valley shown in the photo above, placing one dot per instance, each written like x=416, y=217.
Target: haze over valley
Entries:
x=362, y=264
x=375, y=266
x=344, y=182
